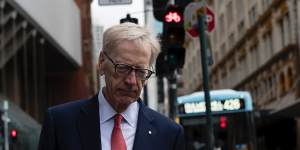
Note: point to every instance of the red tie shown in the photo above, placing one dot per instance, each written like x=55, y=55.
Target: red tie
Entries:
x=117, y=139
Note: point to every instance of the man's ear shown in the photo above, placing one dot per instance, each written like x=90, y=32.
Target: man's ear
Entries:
x=100, y=66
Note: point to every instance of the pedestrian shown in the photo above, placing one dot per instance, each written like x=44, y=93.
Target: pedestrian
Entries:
x=116, y=118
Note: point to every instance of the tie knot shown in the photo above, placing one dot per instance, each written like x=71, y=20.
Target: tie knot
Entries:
x=118, y=119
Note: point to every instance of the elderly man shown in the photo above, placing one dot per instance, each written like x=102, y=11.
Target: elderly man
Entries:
x=116, y=118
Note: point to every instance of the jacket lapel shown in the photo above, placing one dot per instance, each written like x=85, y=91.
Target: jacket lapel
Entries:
x=145, y=132
x=89, y=125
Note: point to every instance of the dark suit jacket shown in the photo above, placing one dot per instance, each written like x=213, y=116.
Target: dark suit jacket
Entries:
x=76, y=126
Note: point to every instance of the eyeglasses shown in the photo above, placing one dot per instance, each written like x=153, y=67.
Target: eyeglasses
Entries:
x=120, y=68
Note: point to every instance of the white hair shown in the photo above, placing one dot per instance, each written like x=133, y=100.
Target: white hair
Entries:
x=142, y=37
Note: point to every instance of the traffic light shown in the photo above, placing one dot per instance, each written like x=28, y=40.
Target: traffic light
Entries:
x=173, y=36
x=13, y=133
x=223, y=122
x=173, y=15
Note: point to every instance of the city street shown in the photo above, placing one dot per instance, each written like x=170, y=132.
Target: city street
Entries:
x=227, y=72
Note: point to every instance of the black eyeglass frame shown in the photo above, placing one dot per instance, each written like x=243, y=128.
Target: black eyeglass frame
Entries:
x=129, y=69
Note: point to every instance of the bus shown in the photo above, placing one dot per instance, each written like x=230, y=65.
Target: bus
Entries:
x=233, y=120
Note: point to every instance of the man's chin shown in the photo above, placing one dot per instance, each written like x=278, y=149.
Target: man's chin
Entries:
x=126, y=100
x=123, y=103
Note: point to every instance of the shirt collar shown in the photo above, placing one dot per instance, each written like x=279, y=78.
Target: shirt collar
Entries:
x=106, y=112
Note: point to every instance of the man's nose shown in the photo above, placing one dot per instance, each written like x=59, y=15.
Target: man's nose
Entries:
x=131, y=78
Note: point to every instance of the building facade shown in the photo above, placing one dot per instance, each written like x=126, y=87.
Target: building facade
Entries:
x=45, y=59
x=255, y=47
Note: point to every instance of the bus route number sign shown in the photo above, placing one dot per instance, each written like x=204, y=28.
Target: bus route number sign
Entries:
x=216, y=106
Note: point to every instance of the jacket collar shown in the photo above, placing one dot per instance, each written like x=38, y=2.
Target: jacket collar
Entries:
x=145, y=132
x=89, y=125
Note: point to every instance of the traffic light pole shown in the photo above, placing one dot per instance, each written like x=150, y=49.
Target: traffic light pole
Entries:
x=204, y=60
x=6, y=121
x=172, y=93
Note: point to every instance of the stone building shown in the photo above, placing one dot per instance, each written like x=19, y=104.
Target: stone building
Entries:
x=255, y=47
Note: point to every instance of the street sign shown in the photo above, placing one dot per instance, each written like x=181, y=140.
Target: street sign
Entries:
x=114, y=2
x=190, y=18
x=191, y=13
x=210, y=19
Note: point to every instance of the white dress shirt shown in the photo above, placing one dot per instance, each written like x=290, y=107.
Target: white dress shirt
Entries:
x=128, y=125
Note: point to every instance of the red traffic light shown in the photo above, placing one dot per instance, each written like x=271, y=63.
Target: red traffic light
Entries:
x=223, y=122
x=13, y=133
x=173, y=17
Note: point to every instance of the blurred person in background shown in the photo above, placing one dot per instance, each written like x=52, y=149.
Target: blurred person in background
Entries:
x=116, y=118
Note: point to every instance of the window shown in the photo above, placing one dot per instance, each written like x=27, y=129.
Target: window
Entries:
x=240, y=8
x=252, y=15
x=289, y=78
x=241, y=28
x=215, y=56
x=281, y=85
x=229, y=13
x=268, y=45
x=221, y=2
x=266, y=4
x=222, y=50
x=232, y=71
x=270, y=86
x=242, y=69
x=221, y=26
x=280, y=23
x=254, y=57
x=287, y=29
x=231, y=40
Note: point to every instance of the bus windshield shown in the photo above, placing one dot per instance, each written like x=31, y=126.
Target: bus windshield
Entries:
x=233, y=122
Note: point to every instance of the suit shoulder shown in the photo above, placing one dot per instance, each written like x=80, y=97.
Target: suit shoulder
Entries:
x=71, y=109
x=162, y=120
x=69, y=106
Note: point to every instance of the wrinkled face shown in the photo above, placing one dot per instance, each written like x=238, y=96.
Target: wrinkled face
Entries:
x=122, y=89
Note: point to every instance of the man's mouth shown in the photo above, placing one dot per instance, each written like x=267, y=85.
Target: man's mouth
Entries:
x=128, y=93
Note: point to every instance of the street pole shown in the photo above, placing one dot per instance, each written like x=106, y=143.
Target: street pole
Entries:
x=204, y=59
x=172, y=93
x=5, y=120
